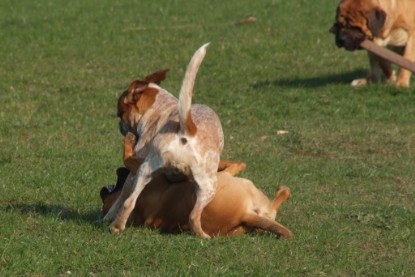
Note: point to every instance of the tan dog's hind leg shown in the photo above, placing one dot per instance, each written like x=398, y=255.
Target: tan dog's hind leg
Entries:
x=258, y=222
x=282, y=195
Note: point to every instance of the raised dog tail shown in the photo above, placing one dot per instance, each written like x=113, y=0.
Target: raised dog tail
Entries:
x=187, y=126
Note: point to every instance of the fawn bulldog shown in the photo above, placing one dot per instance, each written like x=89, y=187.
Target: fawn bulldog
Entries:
x=173, y=135
x=238, y=206
x=388, y=23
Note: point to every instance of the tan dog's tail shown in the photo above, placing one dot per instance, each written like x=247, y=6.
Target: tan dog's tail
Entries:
x=187, y=126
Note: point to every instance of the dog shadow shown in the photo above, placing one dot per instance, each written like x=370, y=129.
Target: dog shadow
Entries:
x=55, y=211
x=313, y=82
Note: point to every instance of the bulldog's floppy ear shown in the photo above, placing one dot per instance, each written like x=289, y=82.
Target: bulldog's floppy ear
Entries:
x=375, y=21
x=156, y=77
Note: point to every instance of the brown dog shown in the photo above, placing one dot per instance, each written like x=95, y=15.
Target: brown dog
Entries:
x=237, y=207
x=388, y=23
x=173, y=136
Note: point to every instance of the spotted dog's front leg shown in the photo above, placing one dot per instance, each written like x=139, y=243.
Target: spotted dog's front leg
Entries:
x=117, y=206
x=140, y=181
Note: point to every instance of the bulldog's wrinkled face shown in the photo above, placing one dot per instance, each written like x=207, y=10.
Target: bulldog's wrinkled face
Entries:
x=357, y=20
x=350, y=38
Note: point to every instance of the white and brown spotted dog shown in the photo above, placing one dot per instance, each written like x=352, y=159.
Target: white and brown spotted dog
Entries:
x=174, y=135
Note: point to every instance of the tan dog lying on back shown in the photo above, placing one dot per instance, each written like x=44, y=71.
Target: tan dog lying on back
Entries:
x=237, y=207
x=173, y=136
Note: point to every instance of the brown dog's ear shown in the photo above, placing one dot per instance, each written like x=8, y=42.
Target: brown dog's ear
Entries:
x=156, y=77
x=137, y=86
x=122, y=174
x=375, y=21
x=134, y=90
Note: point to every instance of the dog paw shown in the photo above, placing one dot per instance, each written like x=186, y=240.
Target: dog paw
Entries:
x=197, y=230
x=116, y=228
x=402, y=84
x=203, y=236
x=284, y=192
x=359, y=82
x=241, y=165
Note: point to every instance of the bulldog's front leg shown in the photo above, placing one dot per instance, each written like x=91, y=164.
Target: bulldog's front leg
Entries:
x=404, y=75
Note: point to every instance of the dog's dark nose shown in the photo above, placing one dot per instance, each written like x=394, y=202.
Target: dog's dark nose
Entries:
x=105, y=191
x=334, y=29
x=123, y=128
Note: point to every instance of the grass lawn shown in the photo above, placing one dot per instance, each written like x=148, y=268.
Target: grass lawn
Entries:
x=348, y=156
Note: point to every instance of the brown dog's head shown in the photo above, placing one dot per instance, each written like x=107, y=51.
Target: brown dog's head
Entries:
x=357, y=20
x=110, y=193
x=133, y=102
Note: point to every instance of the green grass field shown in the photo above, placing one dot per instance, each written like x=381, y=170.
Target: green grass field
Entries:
x=348, y=156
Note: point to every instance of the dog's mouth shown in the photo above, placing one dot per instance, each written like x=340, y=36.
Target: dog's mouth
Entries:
x=125, y=128
x=105, y=191
x=348, y=37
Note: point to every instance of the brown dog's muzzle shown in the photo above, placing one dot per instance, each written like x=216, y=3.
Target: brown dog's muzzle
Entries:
x=125, y=128
x=350, y=38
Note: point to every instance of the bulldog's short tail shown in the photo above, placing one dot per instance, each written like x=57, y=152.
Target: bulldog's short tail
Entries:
x=187, y=126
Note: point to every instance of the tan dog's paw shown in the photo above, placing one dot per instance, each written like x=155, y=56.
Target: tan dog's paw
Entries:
x=284, y=192
x=359, y=82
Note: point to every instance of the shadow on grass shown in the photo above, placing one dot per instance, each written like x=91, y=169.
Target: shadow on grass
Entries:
x=320, y=81
x=54, y=210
